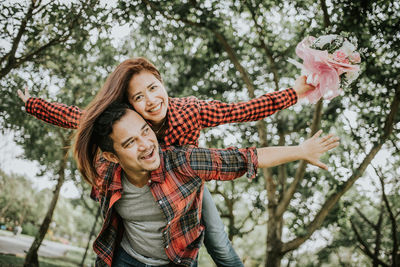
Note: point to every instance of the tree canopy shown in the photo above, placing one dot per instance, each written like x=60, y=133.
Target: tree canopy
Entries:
x=233, y=51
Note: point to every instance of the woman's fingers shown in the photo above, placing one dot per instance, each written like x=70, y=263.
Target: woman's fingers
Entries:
x=20, y=94
x=24, y=97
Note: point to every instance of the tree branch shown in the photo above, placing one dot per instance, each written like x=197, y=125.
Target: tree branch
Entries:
x=334, y=198
x=364, y=245
x=366, y=219
x=16, y=62
x=10, y=56
x=327, y=21
x=263, y=45
x=282, y=175
x=391, y=216
x=378, y=238
x=169, y=17
x=220, y=37
x=288, y=195
x=249, y=215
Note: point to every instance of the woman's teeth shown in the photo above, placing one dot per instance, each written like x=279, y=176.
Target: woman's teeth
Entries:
x=156, y=108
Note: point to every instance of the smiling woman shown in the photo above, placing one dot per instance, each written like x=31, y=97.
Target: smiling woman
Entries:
x=148, y=97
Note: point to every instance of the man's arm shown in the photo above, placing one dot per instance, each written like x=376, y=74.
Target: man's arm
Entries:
x=311, y=151
x=213, y=113
x=228, y=164
x=54, y=113
x=220, y=164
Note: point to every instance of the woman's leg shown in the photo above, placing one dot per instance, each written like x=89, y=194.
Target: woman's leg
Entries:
x=216, y=240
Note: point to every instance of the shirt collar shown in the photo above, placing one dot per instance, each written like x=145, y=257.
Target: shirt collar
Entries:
x=173, y=115
x=115, y=183
x=158, y=175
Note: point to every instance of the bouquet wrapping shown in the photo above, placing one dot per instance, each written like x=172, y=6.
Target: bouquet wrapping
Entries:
x=329, y=62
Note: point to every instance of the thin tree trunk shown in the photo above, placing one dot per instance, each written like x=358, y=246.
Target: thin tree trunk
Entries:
x=90, y=236
x=375, y=262
x=31, y=259
x=5, y=208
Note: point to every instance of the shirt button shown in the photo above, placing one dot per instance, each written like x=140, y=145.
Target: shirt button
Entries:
x=159, y=202
x=179, y=261
x=167, y=246
x=169, y=222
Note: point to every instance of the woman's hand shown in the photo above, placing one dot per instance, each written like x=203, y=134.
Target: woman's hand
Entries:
x=302, y=87
x=312, y=149
x=24, y=97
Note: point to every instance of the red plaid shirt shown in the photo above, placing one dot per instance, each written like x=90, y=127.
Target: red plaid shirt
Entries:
x=177, y=186
x=186, y=117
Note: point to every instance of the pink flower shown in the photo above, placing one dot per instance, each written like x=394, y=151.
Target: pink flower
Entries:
x=324, y=70
x=355, y=57
x=339, y=56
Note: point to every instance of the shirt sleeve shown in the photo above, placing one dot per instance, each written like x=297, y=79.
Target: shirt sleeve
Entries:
x=222, y=164
x=213, y=113
x=54, y=113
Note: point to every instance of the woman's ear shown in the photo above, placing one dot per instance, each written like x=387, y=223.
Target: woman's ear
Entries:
x=111, y=157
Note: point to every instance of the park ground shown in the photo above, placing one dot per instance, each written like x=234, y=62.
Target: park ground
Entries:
x=51, y=254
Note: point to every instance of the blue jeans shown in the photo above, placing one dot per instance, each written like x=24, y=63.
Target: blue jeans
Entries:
x=216, y=240
x=123, y=259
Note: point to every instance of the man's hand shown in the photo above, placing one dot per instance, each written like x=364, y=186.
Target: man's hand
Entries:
x=24, y=97
x=310, y=150
x=313, y=148
x=301, y=87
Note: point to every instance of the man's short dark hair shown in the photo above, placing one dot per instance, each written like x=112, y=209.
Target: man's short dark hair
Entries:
x=103, y=125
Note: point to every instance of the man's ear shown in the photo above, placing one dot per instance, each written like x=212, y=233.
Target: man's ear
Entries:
x=111, y=157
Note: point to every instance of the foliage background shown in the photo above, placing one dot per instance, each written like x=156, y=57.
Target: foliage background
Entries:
x=230, y=51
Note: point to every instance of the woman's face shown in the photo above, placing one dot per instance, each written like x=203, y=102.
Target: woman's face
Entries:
x=148, y=97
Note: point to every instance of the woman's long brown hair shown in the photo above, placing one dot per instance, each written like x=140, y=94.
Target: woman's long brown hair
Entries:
x=86, y=149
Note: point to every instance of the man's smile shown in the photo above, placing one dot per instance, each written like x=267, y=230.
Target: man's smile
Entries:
x=148, y=154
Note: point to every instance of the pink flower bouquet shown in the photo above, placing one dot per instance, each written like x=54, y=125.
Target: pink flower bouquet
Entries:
x=329, y=62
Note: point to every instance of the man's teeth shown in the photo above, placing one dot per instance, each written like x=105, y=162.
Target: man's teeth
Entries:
x=156, y=108
x=148, y=154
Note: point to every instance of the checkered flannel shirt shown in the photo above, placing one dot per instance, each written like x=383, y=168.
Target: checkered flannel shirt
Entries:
x=186, y=117
x=177, y=186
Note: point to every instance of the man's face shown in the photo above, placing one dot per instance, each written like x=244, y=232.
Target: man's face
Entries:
x=148, y=96
x=135, y=144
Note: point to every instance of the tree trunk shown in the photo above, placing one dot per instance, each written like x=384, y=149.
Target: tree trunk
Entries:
x=274, y=242
x=5, y=208
x=90, y=236
x=31, y=259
